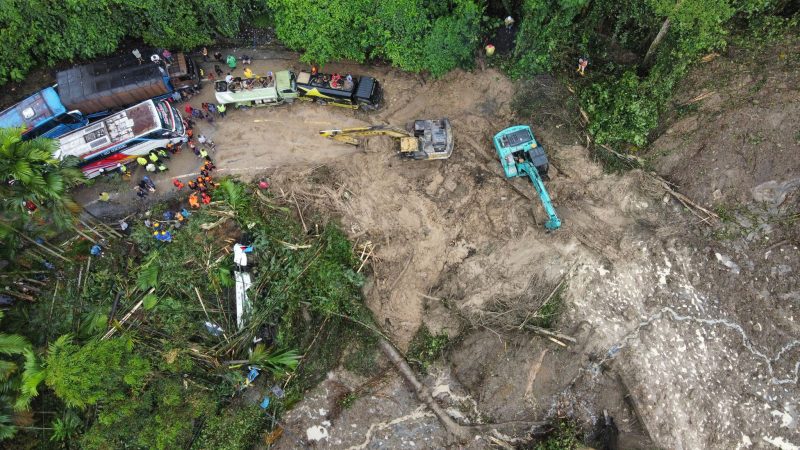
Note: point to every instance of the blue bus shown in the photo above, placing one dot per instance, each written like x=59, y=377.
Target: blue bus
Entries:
x=42, y=114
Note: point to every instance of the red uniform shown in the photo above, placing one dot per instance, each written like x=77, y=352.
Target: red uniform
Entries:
x=177, y=183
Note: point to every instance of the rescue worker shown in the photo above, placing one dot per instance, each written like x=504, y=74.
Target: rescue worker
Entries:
x=231, y=61
x=142, y=161
x=582, y=63
x=153, y=157
x=123, y=170
x=248, y=73
x=192, y=185
x=204, y=154
x=206, y=198
x=193, y=201
x=177, y=183
x=162, y=153
x=221, y=110
x=209, y=166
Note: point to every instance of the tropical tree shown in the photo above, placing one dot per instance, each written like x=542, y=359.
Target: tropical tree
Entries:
x=10, y=345
x=83, y=375
x=33, y=187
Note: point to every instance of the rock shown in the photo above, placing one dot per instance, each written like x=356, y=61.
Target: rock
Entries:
x=727, y=262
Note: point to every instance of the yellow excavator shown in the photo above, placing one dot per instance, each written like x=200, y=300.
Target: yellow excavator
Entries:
x=424, y=139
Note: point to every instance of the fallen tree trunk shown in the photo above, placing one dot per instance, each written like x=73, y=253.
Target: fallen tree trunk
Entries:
x=462, y=434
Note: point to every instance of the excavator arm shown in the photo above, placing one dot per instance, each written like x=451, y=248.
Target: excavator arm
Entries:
x=553, y=222
x=351, y=135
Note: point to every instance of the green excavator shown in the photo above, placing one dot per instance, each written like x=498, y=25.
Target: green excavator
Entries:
x=520, y=155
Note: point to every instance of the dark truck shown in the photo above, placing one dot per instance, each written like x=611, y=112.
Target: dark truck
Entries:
x=340, y=90
x=92, y=91
x=114, y=83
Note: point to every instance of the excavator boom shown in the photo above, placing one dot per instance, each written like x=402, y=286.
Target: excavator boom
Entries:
x=351, y=135
x=553, y=222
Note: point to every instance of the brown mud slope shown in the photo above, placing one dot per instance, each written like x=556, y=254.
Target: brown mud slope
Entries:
x=679, y=336
x=671, y=340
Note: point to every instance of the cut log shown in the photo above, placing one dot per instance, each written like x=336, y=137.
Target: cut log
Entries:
x=462, y=434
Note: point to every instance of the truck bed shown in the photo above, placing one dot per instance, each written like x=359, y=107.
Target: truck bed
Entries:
x=97, y=87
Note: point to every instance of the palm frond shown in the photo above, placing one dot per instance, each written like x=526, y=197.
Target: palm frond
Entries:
x=22, y=171
x=32, y=376
x=13, y=344
x=277, y=361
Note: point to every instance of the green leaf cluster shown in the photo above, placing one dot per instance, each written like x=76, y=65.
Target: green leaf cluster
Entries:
x=414, y=35
x=28, y=172
x=100, y=370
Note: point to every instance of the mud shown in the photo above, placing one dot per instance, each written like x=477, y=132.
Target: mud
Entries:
x=672, y=343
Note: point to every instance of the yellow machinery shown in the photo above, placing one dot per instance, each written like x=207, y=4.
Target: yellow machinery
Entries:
x=424, y=139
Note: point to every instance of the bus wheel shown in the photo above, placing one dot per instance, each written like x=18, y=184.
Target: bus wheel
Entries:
x=321, y=102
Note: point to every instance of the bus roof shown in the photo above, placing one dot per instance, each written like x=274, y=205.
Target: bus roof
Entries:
x=32, y=111
x=91, y=140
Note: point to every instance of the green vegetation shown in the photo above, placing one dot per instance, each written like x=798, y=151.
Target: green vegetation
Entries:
x=563, y=437
x=31, y=177
x=163, y=381
x=548, y=314
x=633, y=68
x=426, y=348
x=411, y=34
x=38, y=31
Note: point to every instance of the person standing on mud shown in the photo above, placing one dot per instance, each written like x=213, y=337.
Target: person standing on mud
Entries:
x=231, y=61
x=138, y=55
x=205, y=54
x=221, y=110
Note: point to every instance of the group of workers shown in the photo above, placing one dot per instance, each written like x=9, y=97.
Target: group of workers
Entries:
x=162, y=231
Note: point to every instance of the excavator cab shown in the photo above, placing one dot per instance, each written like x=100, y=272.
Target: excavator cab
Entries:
x=421, y=140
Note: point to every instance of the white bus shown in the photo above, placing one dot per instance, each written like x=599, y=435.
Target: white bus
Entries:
x=121, y=137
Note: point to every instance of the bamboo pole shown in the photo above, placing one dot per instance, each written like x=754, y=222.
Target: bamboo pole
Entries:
x=126, y=316
x=57, y=255
x=92, y=229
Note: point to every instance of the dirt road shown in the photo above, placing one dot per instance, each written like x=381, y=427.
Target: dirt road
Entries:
x=664, y=341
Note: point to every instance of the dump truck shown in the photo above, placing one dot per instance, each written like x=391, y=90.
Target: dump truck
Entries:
x=89, y=92
x=423, y=139
x=347, y=91
x=257, y=91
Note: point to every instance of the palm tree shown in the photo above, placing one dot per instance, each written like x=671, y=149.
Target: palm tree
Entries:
x=30, y=175
x=10, y=345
